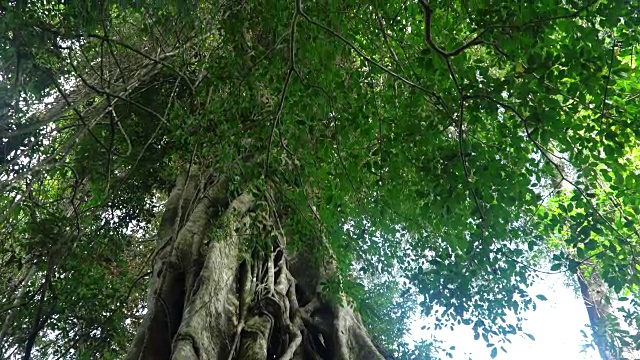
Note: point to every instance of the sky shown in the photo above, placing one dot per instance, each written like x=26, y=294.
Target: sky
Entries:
x=556, y=326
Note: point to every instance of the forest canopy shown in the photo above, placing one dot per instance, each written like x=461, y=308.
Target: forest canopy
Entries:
x=300, y=179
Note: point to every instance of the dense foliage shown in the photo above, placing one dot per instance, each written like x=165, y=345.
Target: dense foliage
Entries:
x=442, y=148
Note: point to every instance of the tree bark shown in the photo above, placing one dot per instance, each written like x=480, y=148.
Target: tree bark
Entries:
x=23, y=285
x=216, y=294
x=594, y=303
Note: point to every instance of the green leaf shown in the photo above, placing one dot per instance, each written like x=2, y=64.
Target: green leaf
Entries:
x=573, y=266
x=541, y=297
x=629, y=224
x=590, y=245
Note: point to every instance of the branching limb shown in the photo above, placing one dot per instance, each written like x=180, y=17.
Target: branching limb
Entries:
x=368, y=58
x=157, y=60
x=477, y=40
x=428, y=12
x=545, y=154
x=461, y=94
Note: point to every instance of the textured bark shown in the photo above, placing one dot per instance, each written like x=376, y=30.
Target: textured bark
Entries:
x=596, y=309
x=18, y=300
x=216, y=295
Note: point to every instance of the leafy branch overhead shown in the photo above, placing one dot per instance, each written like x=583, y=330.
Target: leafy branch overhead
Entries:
x=300, y=179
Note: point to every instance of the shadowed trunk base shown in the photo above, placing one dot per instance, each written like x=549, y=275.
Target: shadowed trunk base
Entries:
x=214, y=294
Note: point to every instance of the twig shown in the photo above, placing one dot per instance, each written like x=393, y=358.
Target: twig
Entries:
x=466, y=169
x=73, y=196
x=386, y=40
x=40, y=319
x=292, y=52
x=606, y=88
x=447, y=57
x=529, y=266
x=144, y=148
x=75, y=110
x=106, y=93
x=158, y=60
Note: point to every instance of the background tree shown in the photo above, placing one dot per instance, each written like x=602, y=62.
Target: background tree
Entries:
x=290, y=179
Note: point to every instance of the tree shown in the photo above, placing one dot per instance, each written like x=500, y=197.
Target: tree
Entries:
x=291, y=179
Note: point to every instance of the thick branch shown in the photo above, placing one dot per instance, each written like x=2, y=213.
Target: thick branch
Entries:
x=428, y=12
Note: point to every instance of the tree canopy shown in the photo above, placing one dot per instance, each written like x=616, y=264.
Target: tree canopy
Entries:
x=434, y=155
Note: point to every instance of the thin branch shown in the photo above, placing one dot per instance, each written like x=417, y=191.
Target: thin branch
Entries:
x=619, y=207
x=556, y=187
x=292, y=53
x=75, y=110
x=529, y=266
x=544, y=153
x=65, y=149
x=108, y=93
x=17, y=305
x=40, y=319
x=606, y=87
x=462, y=96
x=111, y=52
x=570, y=15
x=334, y=124
x=144, y=148
x=76, y=185
x=387, y=42
x=465, y=168
x=262, y=58
x=366, y=57
x=157, y=60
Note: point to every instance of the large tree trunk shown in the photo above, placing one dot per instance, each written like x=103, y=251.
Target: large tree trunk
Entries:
x=593, y=298
x=215, y=294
